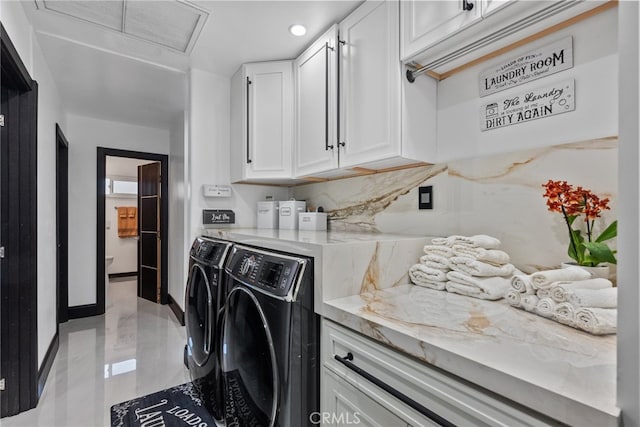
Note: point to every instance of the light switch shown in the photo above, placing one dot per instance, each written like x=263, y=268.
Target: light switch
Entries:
x=425, y=197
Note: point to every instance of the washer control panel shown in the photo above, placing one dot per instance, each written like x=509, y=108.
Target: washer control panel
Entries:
x=269, y=271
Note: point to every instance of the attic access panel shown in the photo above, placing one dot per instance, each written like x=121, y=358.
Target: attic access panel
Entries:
x=173, y=24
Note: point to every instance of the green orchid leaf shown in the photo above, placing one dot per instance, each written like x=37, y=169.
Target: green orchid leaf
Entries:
x=609, y=233
x=601, y=252
x=571, y=218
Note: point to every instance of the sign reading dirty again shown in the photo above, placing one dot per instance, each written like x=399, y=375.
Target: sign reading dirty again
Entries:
x=541, y=62
x=534, y=104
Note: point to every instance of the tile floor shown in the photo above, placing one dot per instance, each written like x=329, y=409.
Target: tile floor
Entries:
x=136, y=348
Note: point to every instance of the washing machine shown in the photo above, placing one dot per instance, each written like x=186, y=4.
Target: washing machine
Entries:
x=269, y=339
x=203, y=301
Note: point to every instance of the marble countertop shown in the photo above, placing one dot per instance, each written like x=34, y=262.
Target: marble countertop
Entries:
x=559, y=371
x=562, y=372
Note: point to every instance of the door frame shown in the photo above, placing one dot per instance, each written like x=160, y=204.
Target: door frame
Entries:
x=19, y=278
x=100, y=228
x=62, y=225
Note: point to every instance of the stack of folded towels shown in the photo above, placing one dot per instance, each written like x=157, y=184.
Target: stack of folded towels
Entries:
x=471, y=266
x=569, y=296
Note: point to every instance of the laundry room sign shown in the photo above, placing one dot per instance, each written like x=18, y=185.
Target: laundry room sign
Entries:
x=217, y=216
x=534, y=104
x=537, y=63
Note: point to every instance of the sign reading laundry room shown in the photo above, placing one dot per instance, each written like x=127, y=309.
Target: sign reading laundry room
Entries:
x=216, y=216
x=533, y=104
x=540, y=62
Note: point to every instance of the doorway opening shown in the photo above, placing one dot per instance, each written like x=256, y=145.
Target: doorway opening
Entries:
x=132, y=223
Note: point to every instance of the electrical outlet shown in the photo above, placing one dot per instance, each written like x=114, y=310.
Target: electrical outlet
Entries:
x=425, y=197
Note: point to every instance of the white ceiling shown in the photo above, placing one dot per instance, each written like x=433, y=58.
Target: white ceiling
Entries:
x=105, y=74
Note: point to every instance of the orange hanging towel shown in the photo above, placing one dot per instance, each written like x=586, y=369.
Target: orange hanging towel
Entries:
x=127, y=221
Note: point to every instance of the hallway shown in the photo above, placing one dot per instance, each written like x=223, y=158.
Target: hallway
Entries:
x=136, y=348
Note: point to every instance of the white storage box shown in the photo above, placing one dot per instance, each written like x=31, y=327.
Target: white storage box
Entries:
x=316, y=221
x=267, y=215
x=288, y=213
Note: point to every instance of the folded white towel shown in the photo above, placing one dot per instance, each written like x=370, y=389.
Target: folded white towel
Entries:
x=544, y=279
x=559, y=289
x=422, y=272
x=491, y=256
x=522, y=283
x=489, y=288
x=598, y=298
x=565, y=313
x=544, y=293
x=438, y=286
x=478, y=268
x=597, y=321
x=444, y=251
x=435, y=261
x=529, y=302
x=514, y=297
x=546, y=307
x=477, y=241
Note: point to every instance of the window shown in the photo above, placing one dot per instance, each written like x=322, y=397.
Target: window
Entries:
x=121, y=186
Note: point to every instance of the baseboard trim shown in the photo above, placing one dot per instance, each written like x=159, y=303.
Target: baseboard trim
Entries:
x=80, y=311
x=49, y=357
x=176, y=310
x=118, y=275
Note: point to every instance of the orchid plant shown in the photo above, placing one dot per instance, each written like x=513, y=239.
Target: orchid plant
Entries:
x=582, y=203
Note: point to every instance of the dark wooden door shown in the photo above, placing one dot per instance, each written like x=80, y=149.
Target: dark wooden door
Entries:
x=149, y=242
x=62, y=225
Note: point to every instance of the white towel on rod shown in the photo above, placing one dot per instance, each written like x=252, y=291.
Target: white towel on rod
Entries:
x=444, y=251
x=435, y=261
x=489, y=288
x=477, y=241
x=559, y=289
x=478, y=268
x=597, y=321
x=546, y=307
x=491, y=256
x=522, y=283
x=598, y=298
x=544, y=279
x=565, y=313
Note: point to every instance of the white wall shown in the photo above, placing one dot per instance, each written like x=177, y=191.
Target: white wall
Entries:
x=210, y=151
x=49, y=113
x=85, y=135
x=178, y=244
x=629, y=220
x=596, y=98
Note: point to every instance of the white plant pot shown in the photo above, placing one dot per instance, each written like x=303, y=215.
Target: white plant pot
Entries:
x=599, y=271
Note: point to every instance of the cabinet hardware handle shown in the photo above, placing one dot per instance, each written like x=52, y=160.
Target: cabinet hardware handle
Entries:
x=347, y=361
x=342, y=144
x=467, y=5
x=326, y=97
x=248, y=127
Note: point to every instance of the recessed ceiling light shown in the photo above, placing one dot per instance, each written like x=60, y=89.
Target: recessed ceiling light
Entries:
x=297, y=30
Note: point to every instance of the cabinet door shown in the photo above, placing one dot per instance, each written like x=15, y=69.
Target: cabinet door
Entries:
x=342, y=404
x=269, y=119
x=490, y=6
x=426, y=22
x=316, y=149
x=369, y=84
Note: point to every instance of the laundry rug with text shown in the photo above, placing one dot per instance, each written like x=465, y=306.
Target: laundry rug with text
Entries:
x=177, y=406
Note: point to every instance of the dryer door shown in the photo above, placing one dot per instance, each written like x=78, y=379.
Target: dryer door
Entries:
x=199, y=315
x=249, y=367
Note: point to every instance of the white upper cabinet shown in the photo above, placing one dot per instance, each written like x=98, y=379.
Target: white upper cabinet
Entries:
x=444, y=35
x=369, y=127
x=316, y=148
x=262, y=121
x=426, y=22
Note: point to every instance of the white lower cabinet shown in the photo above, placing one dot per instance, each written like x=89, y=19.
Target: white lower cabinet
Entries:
x=381, y=387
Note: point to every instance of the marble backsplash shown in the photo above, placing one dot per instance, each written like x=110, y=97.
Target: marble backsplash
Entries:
x=499, y=195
